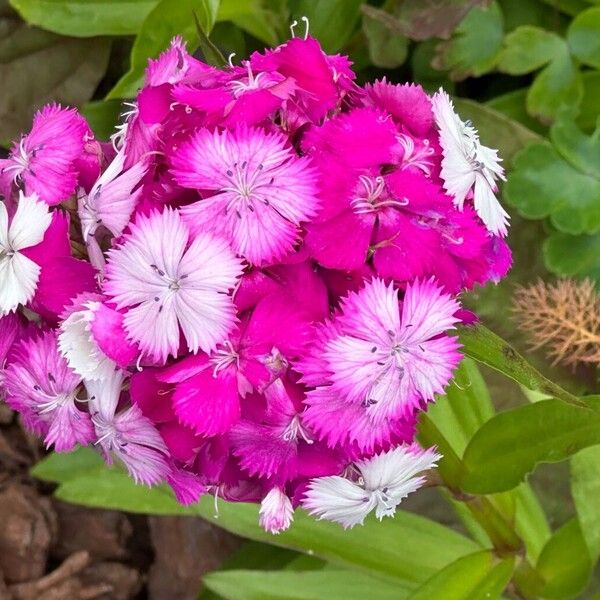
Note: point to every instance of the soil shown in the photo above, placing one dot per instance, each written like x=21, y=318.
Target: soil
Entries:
x=51, y=550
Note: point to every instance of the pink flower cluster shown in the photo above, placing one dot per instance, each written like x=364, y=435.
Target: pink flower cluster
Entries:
x=249, y=291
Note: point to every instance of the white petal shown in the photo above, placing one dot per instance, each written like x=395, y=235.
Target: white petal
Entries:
x=393, y=471
x=3, y=226
x=18, y=281
x=488, y=208
x=29, y=223
x=104, y=394
x=77, y=345
x=338, y=499
x=276, y=512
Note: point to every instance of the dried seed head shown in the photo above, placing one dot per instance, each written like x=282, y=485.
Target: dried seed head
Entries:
x=563, y=318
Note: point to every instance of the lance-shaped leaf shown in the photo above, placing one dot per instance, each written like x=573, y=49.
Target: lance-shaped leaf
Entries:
x=511, y=444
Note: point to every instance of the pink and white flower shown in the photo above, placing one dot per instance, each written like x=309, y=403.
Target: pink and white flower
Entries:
x=260, y=190
x=165, y=277
x=42, y=387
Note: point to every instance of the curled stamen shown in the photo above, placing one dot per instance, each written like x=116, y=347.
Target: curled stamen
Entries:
x=292, y=25
x=453, y=240
x=230, y=60
x=306, y=22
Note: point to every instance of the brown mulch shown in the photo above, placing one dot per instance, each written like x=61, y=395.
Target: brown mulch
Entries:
x=51, y=550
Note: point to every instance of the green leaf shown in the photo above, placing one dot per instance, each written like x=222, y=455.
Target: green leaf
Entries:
x=465, y=407
x=486, y=347
x=579, y=150
x=162, y=24
x=530, y=520
x=512, y=104
x=585, y=489
x=212, y=55
x=561, y=180
x=558, y=85
x=478, y=576
x=475, y=46
x=103, y=116
x=528, y=48
x=377, y=547
x=583, y=37
x=512, y=443
x=37, y=67
x=266, y=20
x=331, y=22
x=564, y=563
x=495, y=129
x=86, y=18
x=307, y=585
x=64, y=467
x=387, y=49
x=573, y=255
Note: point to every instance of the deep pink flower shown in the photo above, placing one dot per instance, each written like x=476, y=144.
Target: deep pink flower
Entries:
x=408, y=104
x=208, y=388
x=41, y=386
x=43, y=162
x=165, y=277
x=261, y=190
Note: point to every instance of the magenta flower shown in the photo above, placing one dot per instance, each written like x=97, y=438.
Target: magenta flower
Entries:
x=380, y=362
x=42, y=387
x=165, y=277
x=127, y=434
x=43, y=162
x=261, y=190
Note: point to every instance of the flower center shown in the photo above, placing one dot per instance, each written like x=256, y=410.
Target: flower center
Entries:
x=369, y=199
x=295, y=430
x=243, y=183
x=224, y=357
x=419, y=158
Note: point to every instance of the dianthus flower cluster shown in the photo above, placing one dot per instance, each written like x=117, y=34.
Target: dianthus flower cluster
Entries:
x=250, y=291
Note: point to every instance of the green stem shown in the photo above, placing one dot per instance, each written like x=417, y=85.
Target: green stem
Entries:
x=500, y=530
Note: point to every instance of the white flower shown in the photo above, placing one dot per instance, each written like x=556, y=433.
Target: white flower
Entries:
x=276, y=512
x=77, y=345
x=385, y=480
x=19, y=275
x=467, y=164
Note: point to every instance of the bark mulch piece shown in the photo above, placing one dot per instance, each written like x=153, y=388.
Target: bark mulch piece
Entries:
x=52, y=550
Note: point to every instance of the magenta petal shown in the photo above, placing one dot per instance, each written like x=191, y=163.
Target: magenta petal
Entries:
x=60, y=281
x=55, y=242
x=342, y=242
x=152, y=396
x=109, y=334
x=210, y=405
x=252, y=108
x=154, y=103
x=181, y=441
x=405, y=250
x=254, y=285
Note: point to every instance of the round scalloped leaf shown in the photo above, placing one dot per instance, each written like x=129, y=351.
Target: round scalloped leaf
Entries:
x=558, y=85
x=560, y=181
x=573, y=255
x=584, y=37
x=528, y=48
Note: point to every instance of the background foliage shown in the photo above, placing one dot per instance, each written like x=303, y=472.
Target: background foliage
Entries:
x=527, y=72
